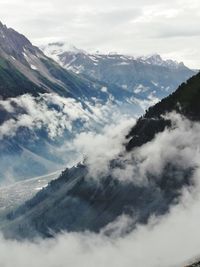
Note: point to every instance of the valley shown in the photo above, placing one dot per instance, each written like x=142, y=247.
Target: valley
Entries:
x=99, y=150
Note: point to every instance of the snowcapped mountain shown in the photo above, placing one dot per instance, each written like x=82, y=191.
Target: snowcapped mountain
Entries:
x=156, y=59
x=42, y=106
x=132, y=176
x=25, y=69
x=55, y=49
x=144, y=76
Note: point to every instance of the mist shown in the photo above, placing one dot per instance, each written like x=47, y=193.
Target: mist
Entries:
x=168, y=240
x=40, y=132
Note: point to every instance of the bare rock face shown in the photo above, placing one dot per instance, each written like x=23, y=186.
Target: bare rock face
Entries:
x=141, y=75
x=13, y=43
x=25, y=69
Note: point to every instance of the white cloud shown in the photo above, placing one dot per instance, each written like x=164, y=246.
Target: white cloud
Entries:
x=178, y=146
x=100, y=148
x=171, y=240
x=66, y=123
x=151, y=100
x=52, y=113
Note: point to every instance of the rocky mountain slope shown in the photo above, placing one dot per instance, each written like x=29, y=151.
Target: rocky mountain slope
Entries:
x=43, y=105
x=141, y=75
x=184, y=100
x=36, y=93
x=73, y=203
x=25, y=69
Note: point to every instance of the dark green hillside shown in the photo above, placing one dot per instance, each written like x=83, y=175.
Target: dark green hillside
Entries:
x=25, y=69
x=74, y=84
x=14, y=83
x=186, y=100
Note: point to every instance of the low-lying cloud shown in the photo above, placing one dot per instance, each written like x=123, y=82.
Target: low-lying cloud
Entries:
x=100, y=148
x=169, y=240
x=54, y=114
x=178, y=146
x=48, y=111
x=45, y=132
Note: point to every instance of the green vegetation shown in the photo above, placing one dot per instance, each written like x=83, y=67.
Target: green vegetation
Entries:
x=14, y=83
x=186, y=100
x=77, y=86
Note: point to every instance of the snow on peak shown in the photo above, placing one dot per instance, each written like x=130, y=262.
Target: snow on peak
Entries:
x=156, y=59
x=57, y=48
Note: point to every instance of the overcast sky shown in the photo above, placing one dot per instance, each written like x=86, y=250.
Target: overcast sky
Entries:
x=169, y=27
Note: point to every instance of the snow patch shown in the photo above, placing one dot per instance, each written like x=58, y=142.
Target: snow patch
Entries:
x=104, y=89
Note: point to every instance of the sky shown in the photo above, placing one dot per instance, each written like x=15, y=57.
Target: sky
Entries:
x=170, y=28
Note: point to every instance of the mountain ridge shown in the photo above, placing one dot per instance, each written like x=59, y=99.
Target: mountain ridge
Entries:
x=101, y=202
x=140, y=75
x=185, y=100
x=34, y=68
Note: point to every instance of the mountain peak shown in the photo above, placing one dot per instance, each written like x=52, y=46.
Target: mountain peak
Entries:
x=12, y=42
x=55, y=49
x=156, y=59
x=2, y=25
x=122, y=69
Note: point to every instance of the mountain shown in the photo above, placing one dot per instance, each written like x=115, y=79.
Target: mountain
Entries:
x=39, y=101
x=43, y=105
x=73, y=203
x=78, y=202
x=25, y=69
x=141, y=75
x=30, y=84
x=184, y=100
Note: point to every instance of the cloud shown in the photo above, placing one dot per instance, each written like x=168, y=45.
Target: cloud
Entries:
x=178, y=146
x=49, y=112
x=100, y=148
x=43, y=132
x=169, y=240
x=151, y=100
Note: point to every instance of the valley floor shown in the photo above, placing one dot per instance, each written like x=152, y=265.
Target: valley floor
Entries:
x=17, y=193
